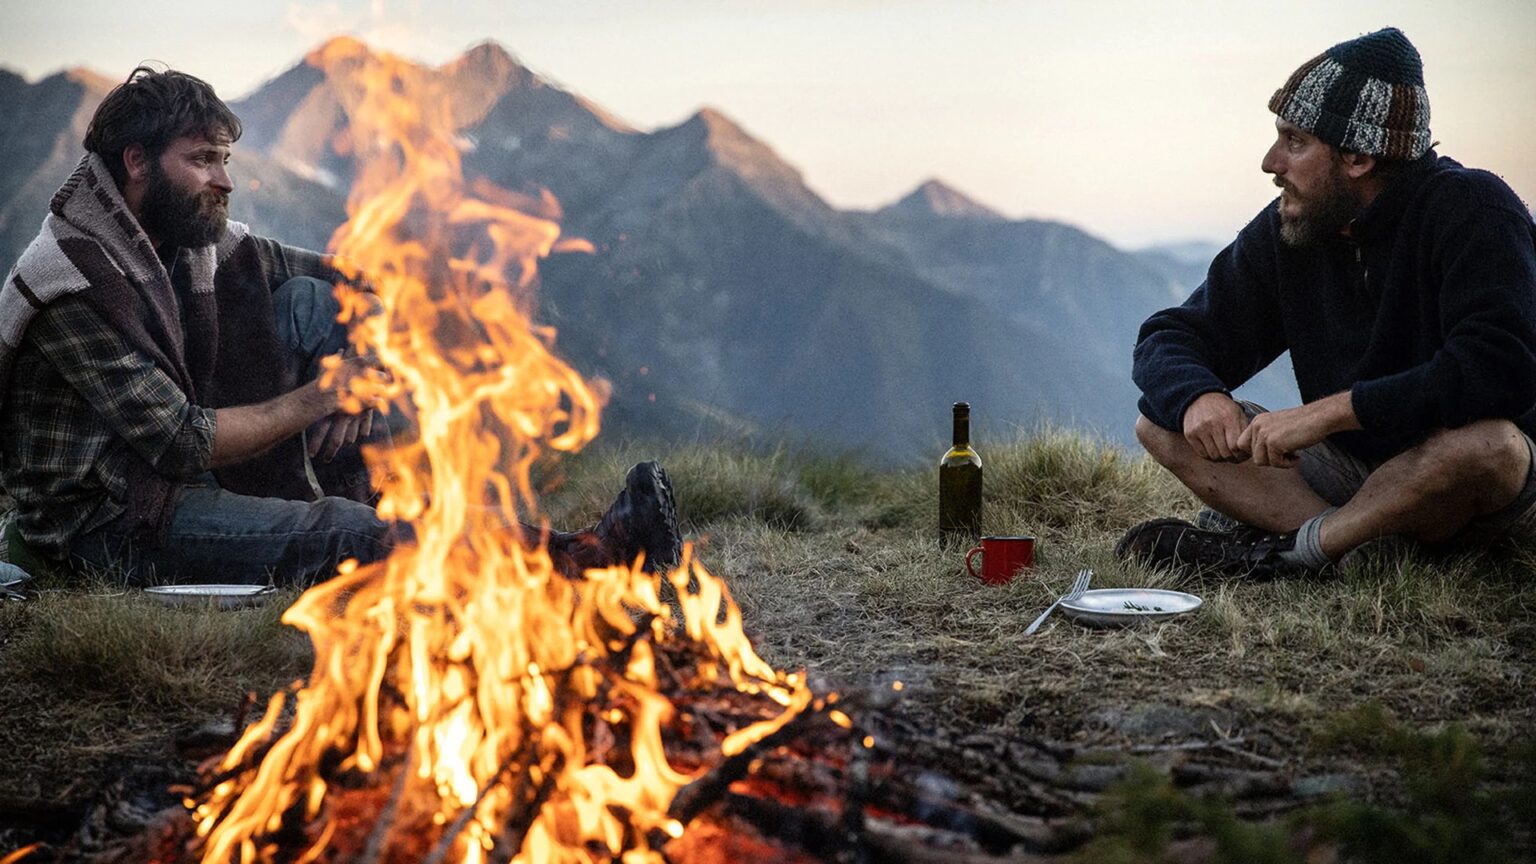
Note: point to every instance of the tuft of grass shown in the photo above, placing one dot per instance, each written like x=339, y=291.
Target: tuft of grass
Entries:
x=1449, y=812
x=94, y=677
x=713, y=486
x=1137, y=820
x=1064, y=482
x=838, y=481
x=120, y=648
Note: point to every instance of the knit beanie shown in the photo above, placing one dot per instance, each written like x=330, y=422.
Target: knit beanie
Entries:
x=1365, y=95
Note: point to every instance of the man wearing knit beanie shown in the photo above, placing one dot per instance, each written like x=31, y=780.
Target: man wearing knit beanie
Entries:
x=1404, y=286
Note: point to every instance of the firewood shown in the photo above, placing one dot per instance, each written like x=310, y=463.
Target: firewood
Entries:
x=987, y=827
x=1232, y=782
x=375, y=844
x=694, y=797
x=49, y=816
x=918, y=844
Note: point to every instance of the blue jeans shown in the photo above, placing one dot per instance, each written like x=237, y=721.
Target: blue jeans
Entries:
x=306, y=311
x=217, y=536
x=220, y=537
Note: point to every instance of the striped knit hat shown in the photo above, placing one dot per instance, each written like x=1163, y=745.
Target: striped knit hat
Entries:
x=1365, y=95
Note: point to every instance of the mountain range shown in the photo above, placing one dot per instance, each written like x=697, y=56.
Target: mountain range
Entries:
x=724, y=296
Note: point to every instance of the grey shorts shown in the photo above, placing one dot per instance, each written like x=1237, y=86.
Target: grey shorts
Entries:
x=1336, y=475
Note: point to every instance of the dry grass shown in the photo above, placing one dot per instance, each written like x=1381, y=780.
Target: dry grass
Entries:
x=837, y=569
x=95, y=677
x=862, y=596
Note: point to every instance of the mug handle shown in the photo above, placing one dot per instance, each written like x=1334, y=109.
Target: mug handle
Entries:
x=968, y=556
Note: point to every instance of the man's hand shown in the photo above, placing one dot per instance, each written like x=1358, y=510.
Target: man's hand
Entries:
x=328, y=435
x=341, y=376
x=243, y=431
x=350, y=382
x=1275, y=437
x=1213, y=425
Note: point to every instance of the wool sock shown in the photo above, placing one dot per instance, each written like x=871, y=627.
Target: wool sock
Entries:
x=1308, y=551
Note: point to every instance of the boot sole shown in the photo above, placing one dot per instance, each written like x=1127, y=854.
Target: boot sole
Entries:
x=650, y=480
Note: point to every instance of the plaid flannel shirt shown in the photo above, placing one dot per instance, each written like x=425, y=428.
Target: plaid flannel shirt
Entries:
x=81, y=400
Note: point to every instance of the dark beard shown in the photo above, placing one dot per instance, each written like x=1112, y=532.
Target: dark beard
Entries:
x=178, y=218
x=1322, y=216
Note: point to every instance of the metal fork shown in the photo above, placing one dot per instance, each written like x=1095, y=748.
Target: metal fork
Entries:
x=1079, y=585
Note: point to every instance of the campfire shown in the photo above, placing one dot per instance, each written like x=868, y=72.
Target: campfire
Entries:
x=468, y=703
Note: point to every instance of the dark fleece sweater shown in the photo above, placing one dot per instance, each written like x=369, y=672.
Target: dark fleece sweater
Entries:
x=1426, y=313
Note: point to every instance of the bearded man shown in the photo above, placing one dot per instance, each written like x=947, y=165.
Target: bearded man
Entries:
x=1404, y=286
x=160, y=411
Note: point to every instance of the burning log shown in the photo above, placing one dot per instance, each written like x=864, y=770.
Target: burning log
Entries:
x=700, y=793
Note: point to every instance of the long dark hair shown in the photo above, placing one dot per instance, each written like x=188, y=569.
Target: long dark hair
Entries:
x=153, y=108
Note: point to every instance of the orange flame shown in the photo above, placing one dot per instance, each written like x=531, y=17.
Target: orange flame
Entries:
x=459, y=676
x=21, y=853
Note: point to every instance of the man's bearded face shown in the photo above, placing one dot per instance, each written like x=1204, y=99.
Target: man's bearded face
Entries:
x=181, y=216
x=1307, y=216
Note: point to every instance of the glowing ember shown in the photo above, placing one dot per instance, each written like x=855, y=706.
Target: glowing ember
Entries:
x=466, y=700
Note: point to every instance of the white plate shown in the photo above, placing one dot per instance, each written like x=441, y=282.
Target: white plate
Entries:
x=1117, y=607
x=222, y=596
x=11, y=575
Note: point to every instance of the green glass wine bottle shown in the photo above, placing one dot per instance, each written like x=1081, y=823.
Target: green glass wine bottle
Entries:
x=960, y=485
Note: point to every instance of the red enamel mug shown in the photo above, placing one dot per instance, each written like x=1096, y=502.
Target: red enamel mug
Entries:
x=1001, y=558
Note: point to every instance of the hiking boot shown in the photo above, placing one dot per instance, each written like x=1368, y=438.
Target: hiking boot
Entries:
x=642, y=519
x=1180, y=545
x=1211, y=519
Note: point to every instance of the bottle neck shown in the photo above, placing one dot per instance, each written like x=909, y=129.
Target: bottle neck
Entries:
x=962, y=437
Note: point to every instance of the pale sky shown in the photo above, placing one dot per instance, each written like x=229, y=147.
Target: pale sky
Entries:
x=1140, y=122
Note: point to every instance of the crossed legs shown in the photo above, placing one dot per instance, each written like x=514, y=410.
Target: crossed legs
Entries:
x=1430, y=492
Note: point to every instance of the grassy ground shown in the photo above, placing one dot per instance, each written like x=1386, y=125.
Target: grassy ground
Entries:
x=1366, y=673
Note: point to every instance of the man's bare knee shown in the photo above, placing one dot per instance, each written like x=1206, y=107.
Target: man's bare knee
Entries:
x=1488, y=455
x=1166, y=447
